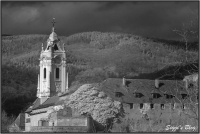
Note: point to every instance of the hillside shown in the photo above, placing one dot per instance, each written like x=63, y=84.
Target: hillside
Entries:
x=91, y=56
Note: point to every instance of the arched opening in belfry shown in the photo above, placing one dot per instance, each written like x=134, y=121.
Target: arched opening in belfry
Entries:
x=55, y=47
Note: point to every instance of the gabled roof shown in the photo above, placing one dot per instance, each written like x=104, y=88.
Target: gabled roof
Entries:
x=144, y=86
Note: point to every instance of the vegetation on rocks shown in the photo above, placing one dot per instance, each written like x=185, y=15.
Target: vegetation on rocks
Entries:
x=88, y=100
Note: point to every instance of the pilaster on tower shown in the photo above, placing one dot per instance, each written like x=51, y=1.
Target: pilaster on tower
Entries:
x=38, y=87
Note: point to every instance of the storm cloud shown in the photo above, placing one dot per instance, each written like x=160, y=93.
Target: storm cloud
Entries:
x=149, y=19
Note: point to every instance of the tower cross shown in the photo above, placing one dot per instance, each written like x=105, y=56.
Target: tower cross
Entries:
x=53, y=22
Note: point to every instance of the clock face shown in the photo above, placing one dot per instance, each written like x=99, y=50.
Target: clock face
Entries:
x=57, y=59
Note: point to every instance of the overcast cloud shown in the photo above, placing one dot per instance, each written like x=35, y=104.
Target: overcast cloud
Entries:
x=149, y=19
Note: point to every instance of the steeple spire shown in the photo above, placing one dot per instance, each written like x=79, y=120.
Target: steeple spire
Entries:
x=53, y=22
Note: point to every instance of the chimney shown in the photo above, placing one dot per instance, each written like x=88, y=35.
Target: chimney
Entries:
x=123, y=81
x=157, y=83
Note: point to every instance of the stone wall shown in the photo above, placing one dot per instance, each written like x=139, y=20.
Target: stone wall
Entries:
x=68, y=125
x=60, y=129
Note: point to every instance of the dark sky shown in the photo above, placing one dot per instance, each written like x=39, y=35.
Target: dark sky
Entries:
x=149, y=19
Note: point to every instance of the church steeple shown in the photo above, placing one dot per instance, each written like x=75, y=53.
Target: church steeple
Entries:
x=52, y=78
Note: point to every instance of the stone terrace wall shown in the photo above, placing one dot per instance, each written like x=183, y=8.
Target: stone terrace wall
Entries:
x=60, y=129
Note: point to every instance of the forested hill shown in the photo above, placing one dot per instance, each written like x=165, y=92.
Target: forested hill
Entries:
x=91, y=57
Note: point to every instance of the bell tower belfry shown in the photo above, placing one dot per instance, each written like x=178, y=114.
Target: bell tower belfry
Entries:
x=53, y=79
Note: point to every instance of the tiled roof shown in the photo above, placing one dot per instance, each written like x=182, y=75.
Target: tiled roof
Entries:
x=49, y=102
x=144, y=86
x=36, y=103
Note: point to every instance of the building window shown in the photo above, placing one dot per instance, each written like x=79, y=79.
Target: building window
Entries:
x=141, y=106
x=131, y=105
x=138, y=95
x=183, y=106
x=184, y=96
x=162, y=106
x=44, y=73
x=118, y=94
x=151, y=106
x=190, y=85
x=57, y=73
x=172, y=106
x=156, y=95
x=168, y=96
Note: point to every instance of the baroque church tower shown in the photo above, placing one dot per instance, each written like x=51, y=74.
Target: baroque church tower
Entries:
x=53, y=79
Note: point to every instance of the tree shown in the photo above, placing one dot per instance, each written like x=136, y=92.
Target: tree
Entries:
x=188, y=32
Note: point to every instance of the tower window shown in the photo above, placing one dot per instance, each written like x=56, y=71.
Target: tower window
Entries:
x=44, y=73
x=57, y=73
x=55, y=47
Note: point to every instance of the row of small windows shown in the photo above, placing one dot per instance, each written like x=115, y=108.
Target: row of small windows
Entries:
x=154, y=95
x=162, y=106
x=57, y=73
